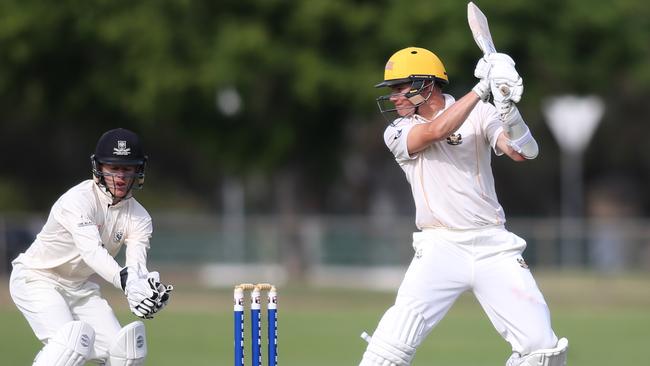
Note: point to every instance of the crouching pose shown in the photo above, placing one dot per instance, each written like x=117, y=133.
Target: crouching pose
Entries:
x=444, y=147
x=85, y=230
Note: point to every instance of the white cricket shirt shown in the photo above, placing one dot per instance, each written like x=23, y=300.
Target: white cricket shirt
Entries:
x=451, y=180
x=83, y=234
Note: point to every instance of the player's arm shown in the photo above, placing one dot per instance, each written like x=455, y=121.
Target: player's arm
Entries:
x=78, y=220
x=137, y=244
x=142, y=295
x=424, y=134
x=502, y=74
x=137, y=239
x=519, y=135
x=503, y=144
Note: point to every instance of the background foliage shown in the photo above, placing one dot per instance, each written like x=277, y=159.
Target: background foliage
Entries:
x=306, y=140
x=304, y=71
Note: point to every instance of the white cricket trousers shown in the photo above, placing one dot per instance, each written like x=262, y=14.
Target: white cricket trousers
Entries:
x=487, y=262
x=48, y=304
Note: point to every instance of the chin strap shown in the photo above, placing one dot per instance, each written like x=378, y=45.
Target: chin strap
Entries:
x=101, y=184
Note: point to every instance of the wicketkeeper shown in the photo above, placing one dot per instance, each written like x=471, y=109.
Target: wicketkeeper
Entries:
x=444, y=146
x=85, y=230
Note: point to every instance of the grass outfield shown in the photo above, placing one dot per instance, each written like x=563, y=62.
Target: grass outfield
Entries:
x=607, y=321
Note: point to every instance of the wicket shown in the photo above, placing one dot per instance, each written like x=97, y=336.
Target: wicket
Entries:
x=256, y=323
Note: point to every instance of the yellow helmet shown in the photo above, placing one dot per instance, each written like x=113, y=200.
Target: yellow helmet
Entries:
x=413, y=63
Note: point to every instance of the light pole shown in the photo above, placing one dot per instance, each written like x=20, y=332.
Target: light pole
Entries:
x=229, y=102
x=572, y=121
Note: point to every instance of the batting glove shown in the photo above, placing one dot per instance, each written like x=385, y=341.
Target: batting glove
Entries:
x=504, y=108
x=482, y=72
x=482, y=89
x=505, y=83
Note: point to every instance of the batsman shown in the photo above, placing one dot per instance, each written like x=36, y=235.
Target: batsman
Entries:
x=444, y=146
x=86, y=228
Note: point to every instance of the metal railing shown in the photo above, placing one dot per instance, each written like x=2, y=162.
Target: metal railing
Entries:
x=306, y=242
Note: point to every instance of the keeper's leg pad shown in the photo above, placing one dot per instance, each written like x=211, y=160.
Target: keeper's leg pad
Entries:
x=543, y=357
x=70, y=346
x=396, y=338
x=129, y=347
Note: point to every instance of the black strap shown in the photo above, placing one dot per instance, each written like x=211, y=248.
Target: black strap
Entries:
x=124, y=275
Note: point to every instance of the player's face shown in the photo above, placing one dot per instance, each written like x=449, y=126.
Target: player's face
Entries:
x=119, y=178
x=403, y=106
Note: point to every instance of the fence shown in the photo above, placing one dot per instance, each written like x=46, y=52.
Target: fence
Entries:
x=333, y=249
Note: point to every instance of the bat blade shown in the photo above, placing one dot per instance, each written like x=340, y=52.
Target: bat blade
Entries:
x=480, y=29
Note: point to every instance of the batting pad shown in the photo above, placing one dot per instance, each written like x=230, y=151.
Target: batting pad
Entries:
x=394, y=342
x=129, y=347
x=543, y=357
x=71, y=346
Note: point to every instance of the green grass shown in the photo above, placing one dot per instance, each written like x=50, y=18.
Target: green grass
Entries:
x=607, y=321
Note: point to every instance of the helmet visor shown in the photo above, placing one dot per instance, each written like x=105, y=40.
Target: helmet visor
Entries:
x=413, y=90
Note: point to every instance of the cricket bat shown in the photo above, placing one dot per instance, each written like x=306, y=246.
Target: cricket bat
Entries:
x=481, y=31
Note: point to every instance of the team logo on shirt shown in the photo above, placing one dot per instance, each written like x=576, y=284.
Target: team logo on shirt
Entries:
x=121, y=149
x=118, y=236
x=522, y=263
x=455, y=139
x=398, y=134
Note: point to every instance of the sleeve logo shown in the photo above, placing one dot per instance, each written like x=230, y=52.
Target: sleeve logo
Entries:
x=85, y=221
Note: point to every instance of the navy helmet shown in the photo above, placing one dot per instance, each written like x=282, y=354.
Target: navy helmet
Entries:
x=119, y=147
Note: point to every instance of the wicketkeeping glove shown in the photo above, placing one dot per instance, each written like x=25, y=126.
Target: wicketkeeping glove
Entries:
x=164, y=291
x=143, y=297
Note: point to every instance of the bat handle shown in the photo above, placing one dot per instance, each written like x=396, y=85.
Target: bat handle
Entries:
x=505, y=91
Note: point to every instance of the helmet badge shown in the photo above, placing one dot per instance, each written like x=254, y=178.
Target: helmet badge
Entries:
x=121, y=149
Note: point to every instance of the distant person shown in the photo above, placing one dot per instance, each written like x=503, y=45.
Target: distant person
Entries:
x=86, y=228
x=443, y=146
x=612, y=202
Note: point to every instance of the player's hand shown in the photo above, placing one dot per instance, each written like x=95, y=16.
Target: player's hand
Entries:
x=143, y=297
x=482, y=89
x=505, y=82
x=504, y=108
x=127, y=275
x=482, y=72
x=165, y=295
x=164, y=291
